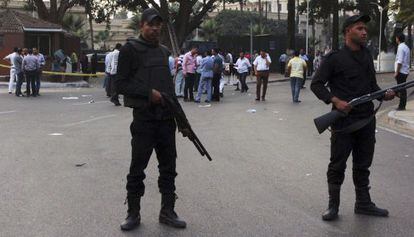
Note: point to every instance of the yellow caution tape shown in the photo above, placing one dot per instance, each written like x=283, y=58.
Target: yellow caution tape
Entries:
x=65, y=73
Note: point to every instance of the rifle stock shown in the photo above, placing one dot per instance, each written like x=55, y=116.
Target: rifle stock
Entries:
x=323, y=122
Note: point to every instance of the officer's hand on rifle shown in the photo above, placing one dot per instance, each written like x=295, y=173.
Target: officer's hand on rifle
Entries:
x=341, y=105
x=185, y=131
x=156, y=97
x=389, y=95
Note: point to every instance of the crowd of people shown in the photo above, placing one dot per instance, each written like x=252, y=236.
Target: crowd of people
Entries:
x=26, y=65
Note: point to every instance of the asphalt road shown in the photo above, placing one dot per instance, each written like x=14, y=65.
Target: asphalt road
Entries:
x=267, y=177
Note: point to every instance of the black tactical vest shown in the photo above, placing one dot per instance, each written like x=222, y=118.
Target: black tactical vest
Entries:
x=152, y=70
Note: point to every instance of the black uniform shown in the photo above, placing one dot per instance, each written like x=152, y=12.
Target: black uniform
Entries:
x=143, y=66
x=349, y=74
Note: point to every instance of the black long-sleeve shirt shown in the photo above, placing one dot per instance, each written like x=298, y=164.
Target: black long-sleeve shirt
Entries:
x=348, y=74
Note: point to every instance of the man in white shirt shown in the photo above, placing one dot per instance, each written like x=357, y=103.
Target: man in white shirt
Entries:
x=402, y=67
x=112, y=74
x=261, y=69
x=13, y=74
x=243, y=65
x=106, y=85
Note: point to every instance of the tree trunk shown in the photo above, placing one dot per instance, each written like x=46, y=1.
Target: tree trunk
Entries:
x=224, y=5
x=335, y=25
x=314, y=35
x=278, y=9
x=91, y=30
x=297, y=18
x=241, y=4
x=291, y=24
x=384, y=42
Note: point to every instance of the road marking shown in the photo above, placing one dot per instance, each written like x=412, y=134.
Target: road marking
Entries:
x=88, y=120
x=96, y=102
x=8, y=112
x=395, y=132
x=55, y=134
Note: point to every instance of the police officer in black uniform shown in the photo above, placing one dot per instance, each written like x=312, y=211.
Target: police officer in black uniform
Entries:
x=143, y=73
x=350, y=73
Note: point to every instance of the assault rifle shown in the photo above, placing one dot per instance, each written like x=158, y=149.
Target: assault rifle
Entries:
x=326, y=120
x=182, y=123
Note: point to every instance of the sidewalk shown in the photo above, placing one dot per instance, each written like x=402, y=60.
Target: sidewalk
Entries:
x=76, y=84
x=402, y=121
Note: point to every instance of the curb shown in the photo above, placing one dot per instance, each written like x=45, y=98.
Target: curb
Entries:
x=394, y=120
x=46, y=85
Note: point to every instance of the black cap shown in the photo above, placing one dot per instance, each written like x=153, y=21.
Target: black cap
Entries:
x=354, y=19
x=150, y=14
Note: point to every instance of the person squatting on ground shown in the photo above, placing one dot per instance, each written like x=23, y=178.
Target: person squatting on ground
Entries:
x=350, y=73
x=189, y=70
x=261, y=69
x=402, y=67
x=143, y=74
x=296, y=68
x=242, y=65
x=207, y=65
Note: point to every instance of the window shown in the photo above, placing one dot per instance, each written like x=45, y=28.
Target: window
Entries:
x=40, y=41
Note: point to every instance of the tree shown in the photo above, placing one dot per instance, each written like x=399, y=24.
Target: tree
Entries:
x=291, y=24
x=335, y=25
x=75, y=25
x=56, y=11
x=236, y=23
x=189, y=15
x=134, y=23
x=209, y=30
x=102, y=37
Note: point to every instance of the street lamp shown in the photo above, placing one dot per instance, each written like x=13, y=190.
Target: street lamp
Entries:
x=381, y=10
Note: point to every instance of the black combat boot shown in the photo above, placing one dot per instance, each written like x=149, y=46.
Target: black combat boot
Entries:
x=133, y=218
x=167, y=213
x=365, y=206
x=332, y=212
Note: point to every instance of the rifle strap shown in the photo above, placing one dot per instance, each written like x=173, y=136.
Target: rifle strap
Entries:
x=359, y=124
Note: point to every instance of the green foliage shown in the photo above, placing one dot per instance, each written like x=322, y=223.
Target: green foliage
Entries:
x=209, y=30
x=134, y=23
x=238, y=23
x=102, y=36
x=75, y=25
x=405, y=12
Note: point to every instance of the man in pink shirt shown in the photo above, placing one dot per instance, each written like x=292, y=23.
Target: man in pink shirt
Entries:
x=189, y=68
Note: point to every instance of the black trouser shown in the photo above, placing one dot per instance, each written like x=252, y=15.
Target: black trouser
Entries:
x=31, y=82
x=19, y=83
x=216, y=86
x=401, y=78
x=147, y=136
x=304, y=78
x=262, y=78
x=197, y=81
x=189, y=86
x=282, y=68
x=37, y=82
x=111, y=89
x=361, y=143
